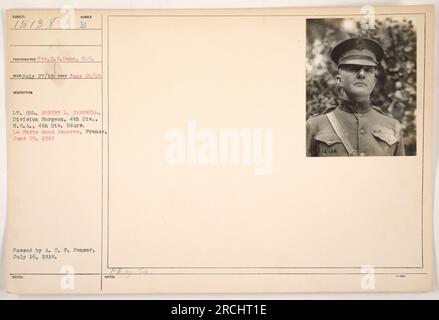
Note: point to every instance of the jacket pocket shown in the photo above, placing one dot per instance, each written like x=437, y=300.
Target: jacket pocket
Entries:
x=328, y=138
x=329, y=145
x=385, y=135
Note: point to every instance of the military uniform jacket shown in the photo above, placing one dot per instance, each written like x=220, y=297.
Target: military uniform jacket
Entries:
x=368, y=130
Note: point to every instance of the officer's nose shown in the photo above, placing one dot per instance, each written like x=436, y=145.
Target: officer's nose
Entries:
x=361, y=73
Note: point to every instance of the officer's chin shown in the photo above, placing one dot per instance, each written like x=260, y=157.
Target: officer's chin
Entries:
x=360, y=92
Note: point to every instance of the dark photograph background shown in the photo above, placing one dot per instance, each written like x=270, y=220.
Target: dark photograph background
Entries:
x=395, y=91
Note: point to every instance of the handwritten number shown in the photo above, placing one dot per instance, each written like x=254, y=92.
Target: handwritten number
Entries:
x=52, y=20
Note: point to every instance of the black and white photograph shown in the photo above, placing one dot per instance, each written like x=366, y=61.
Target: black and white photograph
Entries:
x=361, y=87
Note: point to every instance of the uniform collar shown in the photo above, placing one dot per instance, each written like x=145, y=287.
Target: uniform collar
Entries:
x=354, y=107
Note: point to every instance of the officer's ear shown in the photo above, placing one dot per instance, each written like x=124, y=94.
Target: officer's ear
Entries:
x=338, y=79
x=377, y=72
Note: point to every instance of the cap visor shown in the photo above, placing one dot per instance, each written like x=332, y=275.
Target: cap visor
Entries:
x=360, y=62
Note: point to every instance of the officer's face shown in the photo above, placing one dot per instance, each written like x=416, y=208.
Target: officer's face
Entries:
x=357, y=81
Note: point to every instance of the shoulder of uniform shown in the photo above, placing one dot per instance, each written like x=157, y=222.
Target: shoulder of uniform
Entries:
x=388, y=120
x=315, y=121
x=318, y=121
x=382, y=112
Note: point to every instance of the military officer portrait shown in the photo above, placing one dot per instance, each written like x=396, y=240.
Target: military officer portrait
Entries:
x=353, y=126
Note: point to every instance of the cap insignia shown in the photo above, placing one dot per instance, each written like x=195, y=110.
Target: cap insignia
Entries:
x=361, y=44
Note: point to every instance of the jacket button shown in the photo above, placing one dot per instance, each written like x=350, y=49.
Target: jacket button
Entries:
x=362, y=131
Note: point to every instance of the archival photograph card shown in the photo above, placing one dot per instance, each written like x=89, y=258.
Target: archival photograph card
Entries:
x=220, y=150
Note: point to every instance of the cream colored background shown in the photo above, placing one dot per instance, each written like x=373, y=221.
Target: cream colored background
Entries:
x=256, y=177
x=241, y=72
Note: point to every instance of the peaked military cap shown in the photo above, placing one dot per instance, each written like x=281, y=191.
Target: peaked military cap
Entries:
x=359, y=51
